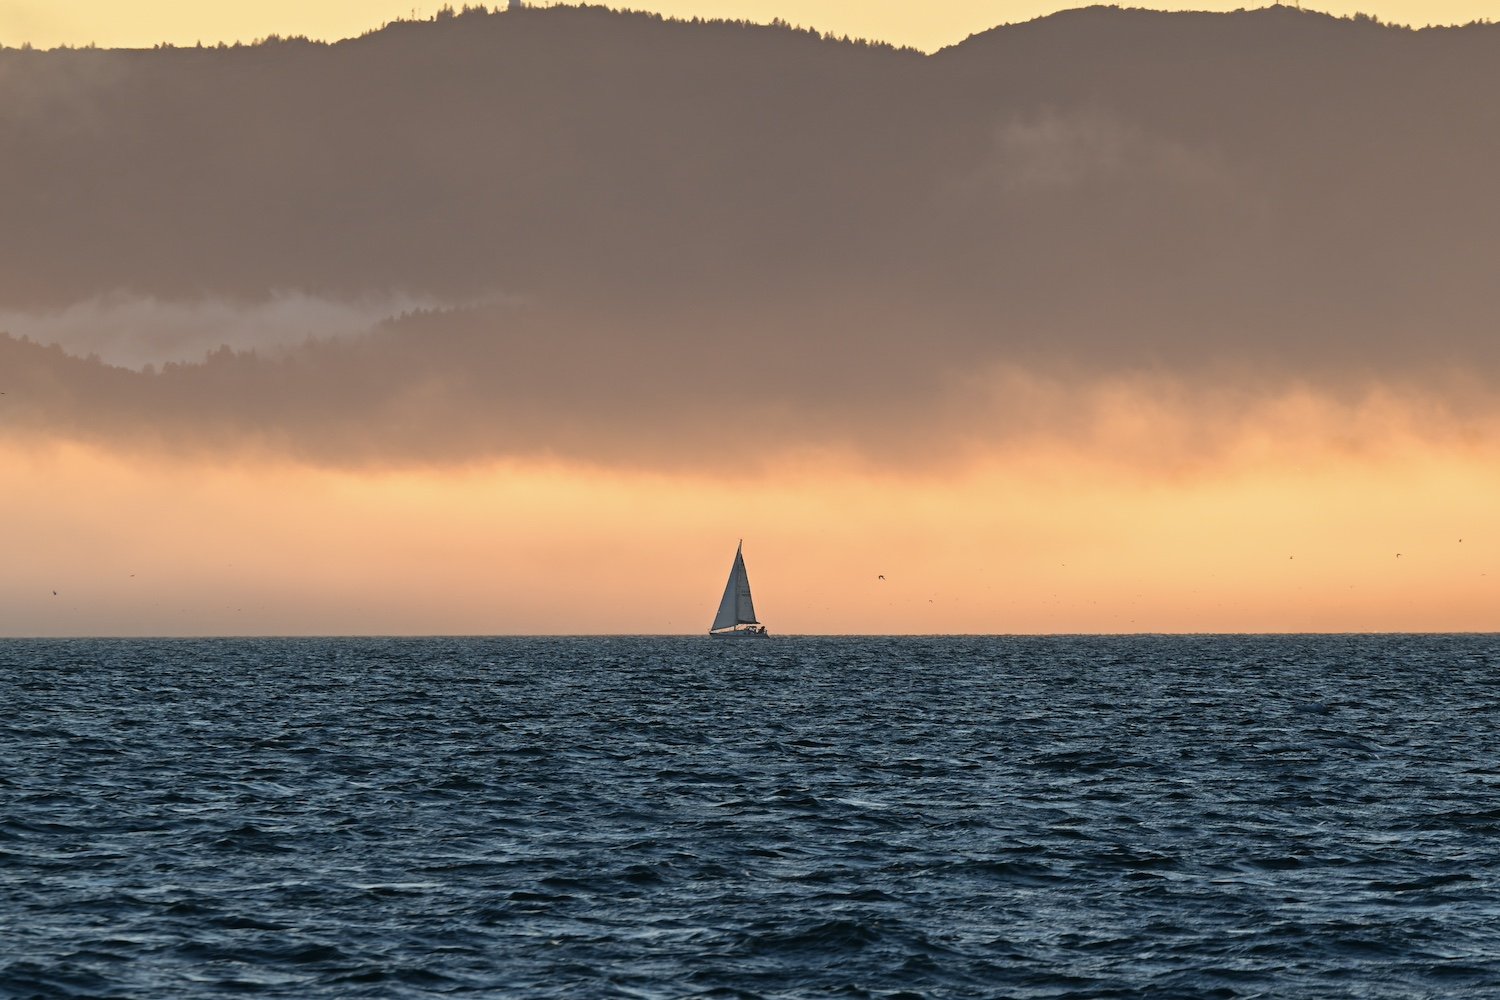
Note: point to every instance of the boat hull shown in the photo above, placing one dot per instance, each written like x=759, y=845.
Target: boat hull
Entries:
x=740, y=633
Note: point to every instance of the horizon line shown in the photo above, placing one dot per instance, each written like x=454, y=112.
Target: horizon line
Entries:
x=187, y=637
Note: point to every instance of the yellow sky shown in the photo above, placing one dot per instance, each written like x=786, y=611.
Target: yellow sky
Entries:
x=928, y=25
x=1293, y=527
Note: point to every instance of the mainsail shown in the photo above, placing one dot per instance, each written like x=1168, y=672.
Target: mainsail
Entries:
x=736, y=608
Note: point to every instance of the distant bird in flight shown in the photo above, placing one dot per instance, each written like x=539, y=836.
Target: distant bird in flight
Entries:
x=1398, y=555
x=880, y=577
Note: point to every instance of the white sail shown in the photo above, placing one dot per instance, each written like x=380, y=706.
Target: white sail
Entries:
x=736, y=607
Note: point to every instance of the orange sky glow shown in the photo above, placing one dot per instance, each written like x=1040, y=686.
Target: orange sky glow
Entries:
x=1292, y=526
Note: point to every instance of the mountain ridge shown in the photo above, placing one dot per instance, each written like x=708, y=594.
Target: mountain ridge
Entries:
x=1103, y=190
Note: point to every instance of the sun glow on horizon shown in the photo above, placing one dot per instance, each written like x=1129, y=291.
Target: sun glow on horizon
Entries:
x=1038, y=539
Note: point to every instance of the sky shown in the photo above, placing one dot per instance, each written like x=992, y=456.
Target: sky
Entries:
x=1059, y=371
x=928, y=25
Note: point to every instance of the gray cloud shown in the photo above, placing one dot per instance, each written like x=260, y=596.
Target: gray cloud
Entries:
x=1057, y=152
x=134, y=331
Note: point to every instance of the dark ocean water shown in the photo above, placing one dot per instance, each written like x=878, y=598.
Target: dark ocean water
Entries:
x=948, y=817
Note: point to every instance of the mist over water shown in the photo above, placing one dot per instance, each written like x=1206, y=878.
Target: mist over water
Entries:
x=936, y=817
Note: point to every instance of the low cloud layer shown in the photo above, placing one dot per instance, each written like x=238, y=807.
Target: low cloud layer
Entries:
x=732, y=394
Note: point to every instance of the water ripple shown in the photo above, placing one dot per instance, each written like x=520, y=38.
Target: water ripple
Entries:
x=1033, y=818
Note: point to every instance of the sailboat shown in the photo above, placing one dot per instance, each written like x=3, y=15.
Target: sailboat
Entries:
x=736, y=617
